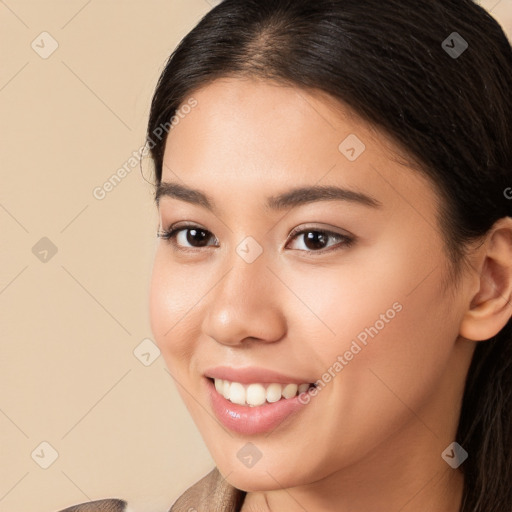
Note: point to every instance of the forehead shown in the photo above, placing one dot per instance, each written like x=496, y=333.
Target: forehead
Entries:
x=255, y=132
x=262, y=108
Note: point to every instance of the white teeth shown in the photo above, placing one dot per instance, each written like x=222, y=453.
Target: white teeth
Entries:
x=303, y=387
x=237, y=393
x=219, y=386
x=225, y=391
x=290, y=390
x=257, y=394
x=274, y=392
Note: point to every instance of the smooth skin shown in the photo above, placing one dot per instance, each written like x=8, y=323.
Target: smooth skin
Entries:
x=372, y=438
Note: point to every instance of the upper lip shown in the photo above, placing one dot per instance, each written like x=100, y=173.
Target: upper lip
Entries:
x=250, y=374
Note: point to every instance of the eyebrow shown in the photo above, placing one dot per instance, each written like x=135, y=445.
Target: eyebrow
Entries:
x=292, y=198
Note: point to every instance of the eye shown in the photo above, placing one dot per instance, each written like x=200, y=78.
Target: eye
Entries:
x=317, y=240
x=189, y=237
x=180, y=236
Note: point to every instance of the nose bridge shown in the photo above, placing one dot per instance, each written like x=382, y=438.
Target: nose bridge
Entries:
x=248, y=274
x=244, y=302
x=246, y=286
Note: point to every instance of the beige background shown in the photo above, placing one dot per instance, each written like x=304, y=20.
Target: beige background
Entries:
x=73, y=370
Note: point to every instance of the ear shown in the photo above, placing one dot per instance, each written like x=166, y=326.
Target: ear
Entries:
x=491, y=305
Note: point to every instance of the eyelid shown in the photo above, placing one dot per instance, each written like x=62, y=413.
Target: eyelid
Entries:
x=316, y=227
x=168, y=234
x=347, y=239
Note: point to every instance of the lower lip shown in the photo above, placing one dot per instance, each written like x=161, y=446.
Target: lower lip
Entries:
x=251, y=420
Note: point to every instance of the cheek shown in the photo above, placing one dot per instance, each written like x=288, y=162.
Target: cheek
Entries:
x=386, y=316
x=172, y=298
x=401, y=367
x=395, y=340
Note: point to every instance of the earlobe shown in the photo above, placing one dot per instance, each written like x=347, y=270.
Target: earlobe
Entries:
x=490, y=307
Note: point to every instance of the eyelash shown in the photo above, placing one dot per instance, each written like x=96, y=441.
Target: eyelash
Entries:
x=171, y=233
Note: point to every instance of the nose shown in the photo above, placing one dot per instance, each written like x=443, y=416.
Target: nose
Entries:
x=245, y=306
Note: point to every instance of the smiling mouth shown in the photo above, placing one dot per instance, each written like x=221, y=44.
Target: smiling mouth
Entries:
x=256, y=394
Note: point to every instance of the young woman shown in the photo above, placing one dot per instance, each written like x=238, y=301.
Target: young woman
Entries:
x=331, y=289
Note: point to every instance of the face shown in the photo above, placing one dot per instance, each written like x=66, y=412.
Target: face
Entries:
x=339, y=285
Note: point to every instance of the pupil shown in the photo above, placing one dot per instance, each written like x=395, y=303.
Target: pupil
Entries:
x=199, y=240
x=317, y=239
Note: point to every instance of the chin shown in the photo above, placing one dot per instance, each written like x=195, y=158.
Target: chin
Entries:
x=264, y=477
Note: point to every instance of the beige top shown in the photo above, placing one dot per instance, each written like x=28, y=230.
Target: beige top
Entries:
x=210, y=494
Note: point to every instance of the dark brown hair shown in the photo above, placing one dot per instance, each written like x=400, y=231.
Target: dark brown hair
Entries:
x=391, y=62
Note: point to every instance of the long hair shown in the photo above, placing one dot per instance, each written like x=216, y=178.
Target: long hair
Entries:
x=435, y=76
